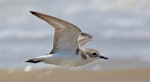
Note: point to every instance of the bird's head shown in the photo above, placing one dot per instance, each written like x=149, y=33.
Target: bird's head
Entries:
x=92, y=53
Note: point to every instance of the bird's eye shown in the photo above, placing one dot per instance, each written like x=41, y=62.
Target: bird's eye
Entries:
x=94, y=54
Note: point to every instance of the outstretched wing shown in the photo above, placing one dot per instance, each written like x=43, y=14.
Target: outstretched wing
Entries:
x=65, y=36
x=83, y=39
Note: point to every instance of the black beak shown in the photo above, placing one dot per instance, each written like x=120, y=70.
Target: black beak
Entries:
x=103, y=57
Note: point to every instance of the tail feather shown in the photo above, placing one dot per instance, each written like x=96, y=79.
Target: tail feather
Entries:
x=33, y=61
x=39, y=59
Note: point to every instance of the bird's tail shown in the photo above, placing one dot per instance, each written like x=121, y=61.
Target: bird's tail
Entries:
x=34, y=60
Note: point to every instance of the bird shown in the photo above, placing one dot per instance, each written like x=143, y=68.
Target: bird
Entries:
x=68, y=44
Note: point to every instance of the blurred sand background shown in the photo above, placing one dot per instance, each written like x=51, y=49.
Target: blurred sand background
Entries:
x=66, y=75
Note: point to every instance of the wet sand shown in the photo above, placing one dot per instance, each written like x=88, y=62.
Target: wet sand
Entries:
x=65, y=75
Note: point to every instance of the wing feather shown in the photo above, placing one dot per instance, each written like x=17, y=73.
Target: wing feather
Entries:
x=83, y=39
x=66, y=34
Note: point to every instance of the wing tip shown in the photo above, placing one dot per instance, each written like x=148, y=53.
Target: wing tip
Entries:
x=33, y=12
x=36, y=14
x=86, y=34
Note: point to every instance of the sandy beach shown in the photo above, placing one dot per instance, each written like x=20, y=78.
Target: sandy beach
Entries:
x=65, y=75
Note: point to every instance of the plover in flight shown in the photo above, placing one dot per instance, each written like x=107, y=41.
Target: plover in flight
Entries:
x=68, y=44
